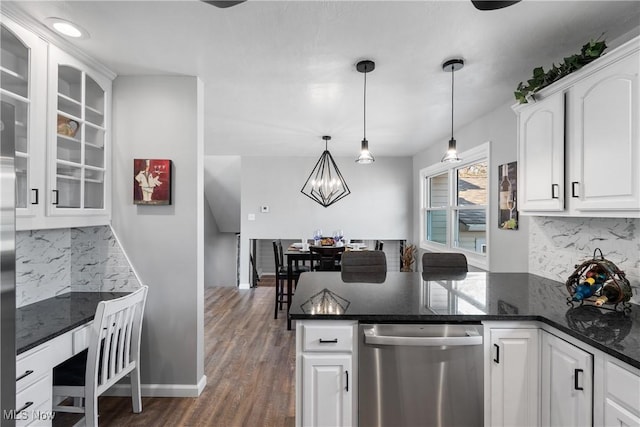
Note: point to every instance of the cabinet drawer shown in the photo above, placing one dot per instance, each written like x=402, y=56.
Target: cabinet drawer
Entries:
x=32, y=365
x=327, y=338
x=624, y=387
x=35, y=402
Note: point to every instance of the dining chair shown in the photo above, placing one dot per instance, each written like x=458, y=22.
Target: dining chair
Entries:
x=444, y=265
x=113, y=353
x=328, y=258
x=281, y=276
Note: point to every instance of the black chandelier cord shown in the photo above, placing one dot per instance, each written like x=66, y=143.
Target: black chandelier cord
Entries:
x=365, y=104
x=452, y=67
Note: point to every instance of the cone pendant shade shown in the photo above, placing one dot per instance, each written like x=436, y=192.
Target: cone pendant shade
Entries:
x=325, y=184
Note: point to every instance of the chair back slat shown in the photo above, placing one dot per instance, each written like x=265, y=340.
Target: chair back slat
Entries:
x=114, y=345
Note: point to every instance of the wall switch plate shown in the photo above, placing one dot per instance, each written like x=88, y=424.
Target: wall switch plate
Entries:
x=251, y=217
x=264, y=209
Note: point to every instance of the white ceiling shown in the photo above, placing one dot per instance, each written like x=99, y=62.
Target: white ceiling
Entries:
x=279, y=75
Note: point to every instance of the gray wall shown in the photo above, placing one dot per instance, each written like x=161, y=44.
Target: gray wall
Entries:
x=162, y=117
x=508, y=249
x=219, y=253
x=379, y=206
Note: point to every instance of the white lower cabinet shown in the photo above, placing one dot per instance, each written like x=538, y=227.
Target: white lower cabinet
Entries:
x=512, y=375
x=34, y=377
x=326, y=375
x=566, y=383
x=622, y=395
x=327, y=389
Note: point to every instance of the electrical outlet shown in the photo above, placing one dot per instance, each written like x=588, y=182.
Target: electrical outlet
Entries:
x=264, y=209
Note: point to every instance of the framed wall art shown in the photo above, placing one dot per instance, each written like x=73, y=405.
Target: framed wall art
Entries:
x=151, y=182
x=508, y=189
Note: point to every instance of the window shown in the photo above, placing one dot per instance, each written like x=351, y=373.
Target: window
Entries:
x=455, y=202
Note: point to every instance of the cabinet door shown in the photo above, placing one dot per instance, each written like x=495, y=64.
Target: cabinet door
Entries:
x=541, y=155
x=79, y=132
x=22, y=84
x=326, y=389
x=514, y=377
x=605, y=145
x=567, y=383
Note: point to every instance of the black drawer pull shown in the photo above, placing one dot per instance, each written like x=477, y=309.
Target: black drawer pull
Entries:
x=554, y=194
x=573, y=189
x=347, y=374
x=35, y=191
x=26, y=405
x=575, y=379
x=26, y=374
x=497, y=359
x=333, y=341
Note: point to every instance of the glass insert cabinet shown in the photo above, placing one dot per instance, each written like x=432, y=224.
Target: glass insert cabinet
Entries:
x=62, y=107
x=22, y=84
x=79, y=155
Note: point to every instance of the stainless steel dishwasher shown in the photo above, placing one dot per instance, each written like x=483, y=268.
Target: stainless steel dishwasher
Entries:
x=420, y=375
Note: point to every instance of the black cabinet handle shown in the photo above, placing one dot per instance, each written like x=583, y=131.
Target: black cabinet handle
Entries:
x=333, y=341
x=575, y=379
x=26, y=405
x=554, y=194
x=347, y=374
x=26, y=374
x=55, y=193
x=35, y=192
x=497, y=358
x=573, y=189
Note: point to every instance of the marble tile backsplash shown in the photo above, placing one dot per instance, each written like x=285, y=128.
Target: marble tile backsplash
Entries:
x=53, y=262
x=557, y=244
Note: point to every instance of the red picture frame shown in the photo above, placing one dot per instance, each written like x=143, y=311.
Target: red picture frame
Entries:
x=152, y=181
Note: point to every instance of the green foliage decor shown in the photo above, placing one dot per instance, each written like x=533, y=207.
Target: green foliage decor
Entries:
x=541, y=79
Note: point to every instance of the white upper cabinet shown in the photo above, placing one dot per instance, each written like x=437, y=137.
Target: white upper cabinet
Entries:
x=605, y=152
x=63, y=152
x=22, y=84
x=79, y=102
x=579, y=145
x=541, y=157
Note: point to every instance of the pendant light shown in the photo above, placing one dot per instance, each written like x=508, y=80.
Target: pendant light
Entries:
x=365, y=156
x=452, y=155
x=325, y=184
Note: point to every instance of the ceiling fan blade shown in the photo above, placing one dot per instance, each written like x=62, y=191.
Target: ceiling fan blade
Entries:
x=492, y=4
x=223, y=3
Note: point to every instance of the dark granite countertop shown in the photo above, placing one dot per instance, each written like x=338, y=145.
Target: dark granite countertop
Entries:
x=407, y=297
x=44, y=320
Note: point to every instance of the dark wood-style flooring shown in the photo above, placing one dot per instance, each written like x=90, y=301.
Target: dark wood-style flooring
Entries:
x=249, y=364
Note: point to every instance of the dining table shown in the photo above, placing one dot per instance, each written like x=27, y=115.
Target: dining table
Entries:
x=295, y=255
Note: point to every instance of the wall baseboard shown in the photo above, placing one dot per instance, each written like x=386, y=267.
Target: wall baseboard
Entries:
x=244, y=286
x=161, y=390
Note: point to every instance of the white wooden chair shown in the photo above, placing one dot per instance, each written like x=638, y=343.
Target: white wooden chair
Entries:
x=114, y=352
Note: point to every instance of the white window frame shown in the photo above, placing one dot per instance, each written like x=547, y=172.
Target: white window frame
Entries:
x=477, y=154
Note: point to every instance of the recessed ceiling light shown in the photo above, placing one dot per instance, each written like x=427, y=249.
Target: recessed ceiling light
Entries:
x=67, y=28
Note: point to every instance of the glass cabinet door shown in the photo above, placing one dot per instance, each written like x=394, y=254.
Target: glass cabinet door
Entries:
x=80, y=147
x=17, y=89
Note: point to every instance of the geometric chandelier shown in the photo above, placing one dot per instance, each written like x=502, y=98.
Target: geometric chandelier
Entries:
x=325, y=183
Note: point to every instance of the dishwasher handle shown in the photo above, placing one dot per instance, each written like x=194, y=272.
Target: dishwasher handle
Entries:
x=370, y=337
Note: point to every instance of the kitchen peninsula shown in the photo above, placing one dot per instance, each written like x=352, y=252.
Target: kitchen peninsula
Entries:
x=515, y=309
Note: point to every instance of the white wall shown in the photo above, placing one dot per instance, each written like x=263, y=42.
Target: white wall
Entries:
x=508, y=250
x=379, y=206
x=162, y=117
x=219, y=253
